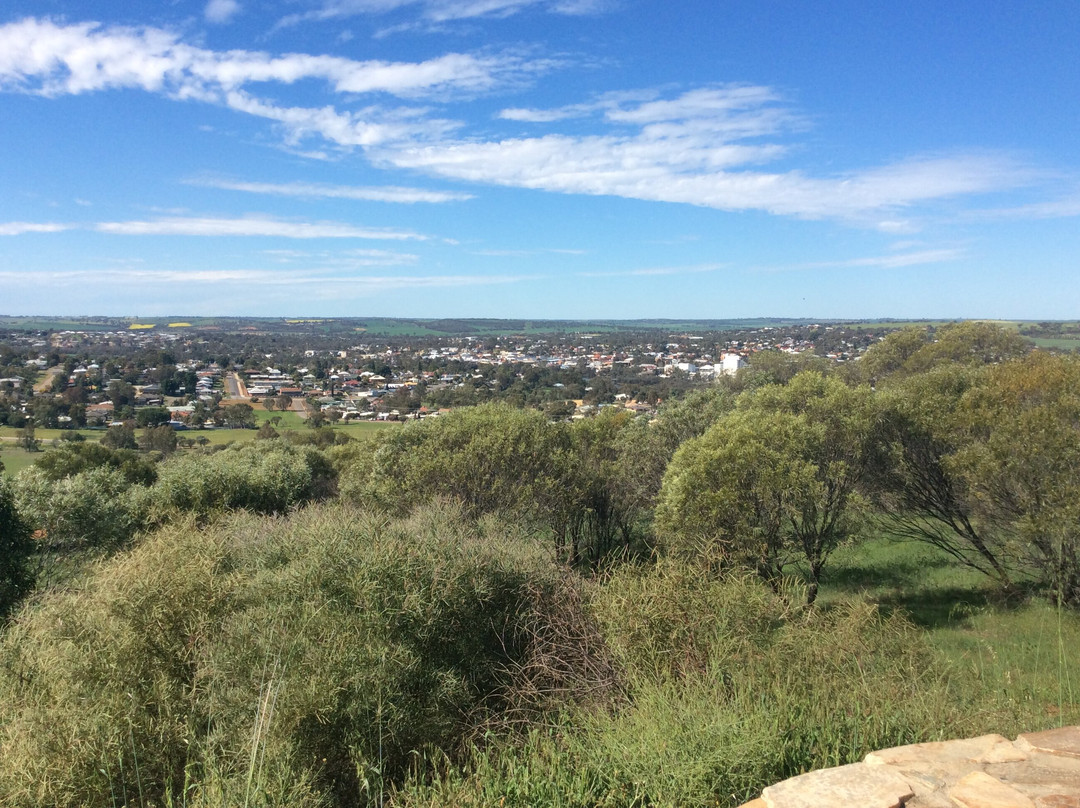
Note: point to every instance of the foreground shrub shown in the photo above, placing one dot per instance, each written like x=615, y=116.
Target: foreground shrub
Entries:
x=73, y=457
x=264, y=661
x=95, y=508
x=728, y=688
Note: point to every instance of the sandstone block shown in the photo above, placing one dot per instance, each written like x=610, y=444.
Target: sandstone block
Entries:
x=854, y=785
x=1064, y=741
x=980, y=790
x=984, y=749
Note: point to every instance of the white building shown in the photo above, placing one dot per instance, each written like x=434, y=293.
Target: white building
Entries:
x=732, y=362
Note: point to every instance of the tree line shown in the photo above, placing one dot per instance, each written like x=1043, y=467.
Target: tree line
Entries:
x=962, y=437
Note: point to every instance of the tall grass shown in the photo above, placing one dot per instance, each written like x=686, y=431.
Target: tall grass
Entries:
x=331, y=657
x=728, y=687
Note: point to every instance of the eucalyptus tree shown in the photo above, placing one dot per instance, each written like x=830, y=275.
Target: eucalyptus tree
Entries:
x=1021, y=464
x=775, y=481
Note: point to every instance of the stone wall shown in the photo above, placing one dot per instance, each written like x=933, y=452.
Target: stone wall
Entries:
x=1037, y=770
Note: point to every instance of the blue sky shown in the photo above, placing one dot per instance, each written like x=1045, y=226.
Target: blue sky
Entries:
x=541, y=158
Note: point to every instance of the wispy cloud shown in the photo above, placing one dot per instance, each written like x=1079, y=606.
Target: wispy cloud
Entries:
x=687, y=163
x=311, y=284
x=1066, y=207
x=892, y=261
x=693, y=269
x=700, y=147
x=343, y=258
x=898, y=260
x=46, y=58
x=444, y=11
x=388, y=193
x=706, y=146
x=523, y=253
x=50, y=59
x=251, y=226
x=221, y=11
x=19, y=228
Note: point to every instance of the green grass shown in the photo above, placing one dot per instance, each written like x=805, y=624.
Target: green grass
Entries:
x=10, y=433
x=219, y=437
x=291, y=422
x=288, y=418
x=915, y=578
x=15, y=460
x=1022, y=652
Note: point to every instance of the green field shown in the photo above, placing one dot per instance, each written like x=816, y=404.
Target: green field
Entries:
x=9, y=434
x=288, y=419
x=16, y=459
x=218, y=437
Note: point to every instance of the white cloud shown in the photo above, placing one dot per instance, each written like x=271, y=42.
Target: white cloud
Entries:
x=19, y=228
x=693, y=269
x=443, y=11
x=699, y=148
x=702, y=147
x=308, y=284
x=46, y=58
x=1063, y=208
x=344, y=258
x=221, y=11
x=689, y=164
x=939, y=255
x=42, y=56
x=911, y=259
x=523, y=253
x=389, y=193
x=250, y=226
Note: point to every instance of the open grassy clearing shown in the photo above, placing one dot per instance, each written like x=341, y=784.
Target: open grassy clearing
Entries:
x=288, y=419
x=15, y=460
x=218, y=437
x=10, y=433
x=1022, y=650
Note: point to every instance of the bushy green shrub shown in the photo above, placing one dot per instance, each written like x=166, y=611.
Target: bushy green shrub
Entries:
x=268, y=477
x=15, y=548
x=95, y=508
x=264, y=661
x=489, y=458
x=73, y=457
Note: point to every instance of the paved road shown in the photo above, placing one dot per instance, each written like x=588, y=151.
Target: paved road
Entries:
x=235, y=387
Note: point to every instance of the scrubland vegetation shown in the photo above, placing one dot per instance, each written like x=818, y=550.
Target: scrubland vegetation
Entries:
x=780, y=572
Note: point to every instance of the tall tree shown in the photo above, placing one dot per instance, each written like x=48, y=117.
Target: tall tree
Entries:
x=1021, y=464
x=920, y=495
x=773, y=482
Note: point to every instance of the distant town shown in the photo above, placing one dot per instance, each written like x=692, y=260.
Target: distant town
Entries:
x=209, y=374
x=93, y=377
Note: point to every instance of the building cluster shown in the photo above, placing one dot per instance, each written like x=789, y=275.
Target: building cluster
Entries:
x=98, y=377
